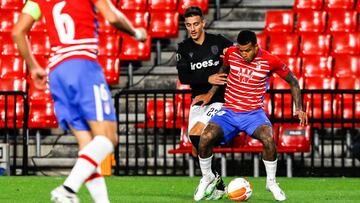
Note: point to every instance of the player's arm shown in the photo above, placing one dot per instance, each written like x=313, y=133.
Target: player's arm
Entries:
x=296, y=94
x=119, y=20
x=30, y=13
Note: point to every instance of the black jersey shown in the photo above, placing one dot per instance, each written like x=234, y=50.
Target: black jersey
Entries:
x=195, y=63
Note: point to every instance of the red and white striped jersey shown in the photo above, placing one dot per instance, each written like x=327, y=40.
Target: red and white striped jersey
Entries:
x=72, y=27
x=248, y=82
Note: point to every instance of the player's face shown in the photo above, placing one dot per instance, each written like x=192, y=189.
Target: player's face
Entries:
x=194, y=26
x=248, y=51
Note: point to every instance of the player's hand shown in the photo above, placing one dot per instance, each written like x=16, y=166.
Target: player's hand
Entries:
x=203, y=99
x=218, y=79
x=140, y=34
x=39, y=77
x=302, y=115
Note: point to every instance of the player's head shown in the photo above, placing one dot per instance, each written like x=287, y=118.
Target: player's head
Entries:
x=247, y=45
x=194, y=22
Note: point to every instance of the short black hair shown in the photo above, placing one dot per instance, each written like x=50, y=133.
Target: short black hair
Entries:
x=193, y=11
x=247, y=36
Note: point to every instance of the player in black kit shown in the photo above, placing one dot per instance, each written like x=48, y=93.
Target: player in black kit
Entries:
x=198, y=63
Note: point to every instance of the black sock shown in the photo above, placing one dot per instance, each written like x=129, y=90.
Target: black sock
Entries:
x=68, y=189
x=195, y=140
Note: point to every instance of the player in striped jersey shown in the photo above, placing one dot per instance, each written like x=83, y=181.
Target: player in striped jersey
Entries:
x=82, y=99
x=250, y=68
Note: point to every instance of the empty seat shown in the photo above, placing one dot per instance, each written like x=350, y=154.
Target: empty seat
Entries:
x=104, y=25
x=164, y=24
x=7, y=45
x=12, y=67
x=138, y=18
x=11, y=4
x=293, y=63
x=137, y=5
x=131, y=49
x=109, y=44
x=110, y=66
x=339, y=4
x=12, y=84
x=320, y=105
x=308, y=5
x=283, y=104
x=162, y=5
x=262, y=40
x=42, y=115
x=316, y=66
x=38, y=95
x=311, y=21
x=12, y=111
x=313, y=44
x=294, y=138
x=40, y=43
x=284, y=44
x=347, y=66
x=8, y=19
x=279, y=21
x=342, y=21
x=184, y=4
x=345, y=43
x=348, y=104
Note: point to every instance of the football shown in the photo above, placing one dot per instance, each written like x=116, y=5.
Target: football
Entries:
x=239, y=189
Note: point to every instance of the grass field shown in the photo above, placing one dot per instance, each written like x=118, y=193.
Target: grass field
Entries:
x=180, y=189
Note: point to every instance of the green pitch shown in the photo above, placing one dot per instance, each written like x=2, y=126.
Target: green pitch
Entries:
x=180, y=189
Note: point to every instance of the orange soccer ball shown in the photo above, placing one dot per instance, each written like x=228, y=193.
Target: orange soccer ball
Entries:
x=239, y=189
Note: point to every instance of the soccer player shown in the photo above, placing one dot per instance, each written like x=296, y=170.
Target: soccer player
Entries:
x=198, y=64
x=250, y=68
x=78, y=87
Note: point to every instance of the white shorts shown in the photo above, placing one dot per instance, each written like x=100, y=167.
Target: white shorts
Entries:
x=202, y=114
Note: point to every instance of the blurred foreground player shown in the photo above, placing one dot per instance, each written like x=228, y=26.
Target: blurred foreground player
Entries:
x=78, y=87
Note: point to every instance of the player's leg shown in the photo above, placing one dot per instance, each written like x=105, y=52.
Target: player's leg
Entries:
x=195, y=126
x=264, y=133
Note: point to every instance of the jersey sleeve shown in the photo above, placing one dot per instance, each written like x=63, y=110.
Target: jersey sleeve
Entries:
x=226, y=56
x=279, y=67
x=32, y=8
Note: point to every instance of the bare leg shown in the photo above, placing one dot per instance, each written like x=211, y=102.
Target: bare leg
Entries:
x=209, y=139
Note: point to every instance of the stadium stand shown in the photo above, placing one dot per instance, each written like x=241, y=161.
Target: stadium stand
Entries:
x=311, y=21
x=279, y=21
x=314, y=45
x=308, y=5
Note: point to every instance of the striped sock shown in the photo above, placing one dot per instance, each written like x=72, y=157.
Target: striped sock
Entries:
x=96, y=185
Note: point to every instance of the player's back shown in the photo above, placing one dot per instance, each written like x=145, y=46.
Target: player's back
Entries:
x=72, y=28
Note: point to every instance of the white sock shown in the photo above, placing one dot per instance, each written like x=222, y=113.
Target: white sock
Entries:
x=90, y=156
x=205, y=165
x=270, y=167
x=97, y=187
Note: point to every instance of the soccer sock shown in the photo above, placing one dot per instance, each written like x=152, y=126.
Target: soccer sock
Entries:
x=89, y=158
x=270, y=167
x=95, y=183
x=205, y=165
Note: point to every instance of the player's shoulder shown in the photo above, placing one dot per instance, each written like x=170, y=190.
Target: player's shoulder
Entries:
x=185, y=43
x=267, y=55
x=232, y=49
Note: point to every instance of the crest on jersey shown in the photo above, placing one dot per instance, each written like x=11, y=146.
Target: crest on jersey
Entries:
x=178, y=57
x=214, y=49
x=191, y=54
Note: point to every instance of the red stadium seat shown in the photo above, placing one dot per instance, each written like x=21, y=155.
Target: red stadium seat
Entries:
x=345, y=43
x=342, y=21
x=346, y=102
x=357, y=6
x=293, y=63
x=110, y=67
x=138, y=18
x=284, y=44
x=37, y=95
x=158, y=116
x=294, y=138
x=8, y=19
x=133, y=5
x=132, y=50
x=11, y=4
x=40, y=43
x=320, y=106
x=313, y=44
x=42, y=115
x=339, y=4
x=104, y=25
x=317, y=66
x=308, y=5
x=39, y=26
x=7, y=45
x=8, y=107
x=184, y=4
x=279, y=21
x=162, y=5
x=12, y=84
x=311, y=21
x=12, y=67
x=164, y=24
x=282, y=102
x=109, y=44
x=347, y=66
x=262, y=40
